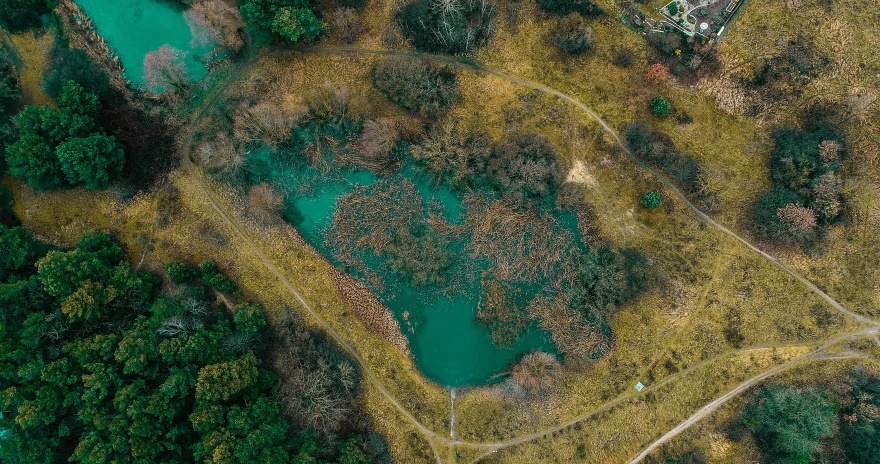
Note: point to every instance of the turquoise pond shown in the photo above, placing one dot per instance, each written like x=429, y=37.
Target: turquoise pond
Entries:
x=449, y=346
x=133, y=28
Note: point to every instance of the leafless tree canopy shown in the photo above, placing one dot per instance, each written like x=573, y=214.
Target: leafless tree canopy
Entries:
x=264, y=122
x=215, y=23
x=165, y=68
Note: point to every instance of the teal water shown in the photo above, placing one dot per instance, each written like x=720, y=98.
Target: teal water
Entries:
x=133, y=28
x=449, y=346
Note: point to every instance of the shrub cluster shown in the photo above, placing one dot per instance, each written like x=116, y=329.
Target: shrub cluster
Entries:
x=291, y=20
x=207, y=272
x=788, y=423
x=10, y=87
x=70, y=64
x=859, y=414
x=659, y=106
x=806, y=191
x=651, y=200
x=20, y=15
x=10, y=93
x=574, y=36
x=566, y=7
x=64, y=147
x=417, y=86
x=454, y=156
x=605, y=280
x=657, y=149
x=441, y=26
x=797, y=63
x=523, y=169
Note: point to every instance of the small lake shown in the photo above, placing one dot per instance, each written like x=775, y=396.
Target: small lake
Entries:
x=448, y=344
x=133, y=28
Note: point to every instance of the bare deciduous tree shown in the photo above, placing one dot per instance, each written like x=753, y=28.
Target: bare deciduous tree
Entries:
x=165, y=69
x=373, y=148
x=215, y=23
x=220, y=155
x=264, y=122
x=537, y=372
x=316, y=405
x=347, y=24
x=264, y=202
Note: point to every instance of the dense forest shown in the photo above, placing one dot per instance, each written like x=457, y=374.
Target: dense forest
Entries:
x=102, y=362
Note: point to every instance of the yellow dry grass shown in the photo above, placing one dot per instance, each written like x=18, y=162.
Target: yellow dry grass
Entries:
x=710, y=297
x=33, y=48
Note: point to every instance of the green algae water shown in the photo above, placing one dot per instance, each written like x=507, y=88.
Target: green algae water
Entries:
x=449, y=346
x=133, y=28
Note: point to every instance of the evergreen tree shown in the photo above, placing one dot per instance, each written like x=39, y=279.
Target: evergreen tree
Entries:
x=788, y=423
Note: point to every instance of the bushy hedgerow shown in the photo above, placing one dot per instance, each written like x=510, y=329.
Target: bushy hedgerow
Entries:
x=447, y=27
x=573, y=35
x=70, y=64
x=806, y=191
x=789, y=423
x=64, y=147
x=417, y=85
x=20, y=15
x=565, y=7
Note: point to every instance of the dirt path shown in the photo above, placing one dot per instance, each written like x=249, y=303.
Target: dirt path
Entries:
x=452, y=433
x=717, y=403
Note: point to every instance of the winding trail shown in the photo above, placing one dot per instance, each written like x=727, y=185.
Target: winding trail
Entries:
x=432, y=437
x=720, y=401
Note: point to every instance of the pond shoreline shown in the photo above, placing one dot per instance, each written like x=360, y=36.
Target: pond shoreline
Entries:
x=77, y=21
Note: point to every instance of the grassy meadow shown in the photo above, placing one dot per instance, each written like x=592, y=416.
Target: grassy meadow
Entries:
x=715, y=313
